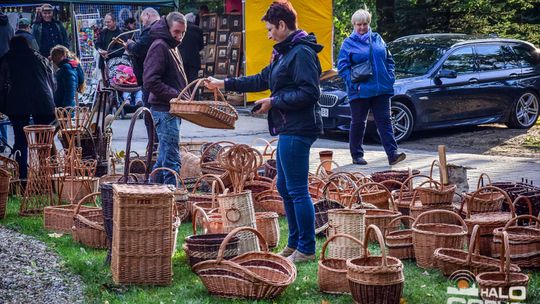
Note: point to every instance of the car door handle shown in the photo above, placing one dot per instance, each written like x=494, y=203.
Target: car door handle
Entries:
x=473, y=80
x=513, y=75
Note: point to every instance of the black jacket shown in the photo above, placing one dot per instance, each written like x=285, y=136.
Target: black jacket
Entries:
x=138, y=51
x=163, y=73
x=29, y=37
x=191, y=45
x=293, y=81
x=31, y=81
x=103, y=41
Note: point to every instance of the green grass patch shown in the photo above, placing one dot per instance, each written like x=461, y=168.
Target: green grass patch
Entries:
x=421, y=286
x=532, y=141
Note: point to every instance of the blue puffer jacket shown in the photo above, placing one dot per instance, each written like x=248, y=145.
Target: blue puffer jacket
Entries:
x=355, y=49
x=68, y=78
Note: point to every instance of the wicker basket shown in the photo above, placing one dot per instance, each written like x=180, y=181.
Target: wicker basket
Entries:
x=486, y=199
x=197, y=196
x=488, y=221
x=315, y=187
x=252, y=275
x=88, y=226
x=502, y=280
x=429, y=236
x=60, y=218
x=205, y=247
x=180, y=193
x=209, y=114
x=15, y=187
x=395, y=175
x=399, y=241
x=435, y=193
x=268, y=226
x=141, y=248
x=376, y=194
x=450, y=260
x=524, y=242
x=375, y=279
x=210, y=221
x=237, y=210
x=332, y=272
x=269, y=201
x=406, y=192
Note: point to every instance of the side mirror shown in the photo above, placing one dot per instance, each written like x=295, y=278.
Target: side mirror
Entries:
x=446, y=74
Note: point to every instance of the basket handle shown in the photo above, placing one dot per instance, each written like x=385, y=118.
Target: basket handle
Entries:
x=408, y=184
x=481, y=180
x=330, y=181
x=318, y=171
x=150, y=131
x=207, y=149
x=389, y=226
x=473, y=243
x=221, y=251
x=380, y=240
x=138, y=161
x=194, y=219
x=527, y=200
x=335, y=236
x=432, y=167
x=204, y=177
x=521, y=217
x=83, y=200
x=89, y=222
x=507, y=199
x=423, y=214
x=358, y=194
x=415, y=192
x=268, y=145
x=505, y=257
x=179, y=181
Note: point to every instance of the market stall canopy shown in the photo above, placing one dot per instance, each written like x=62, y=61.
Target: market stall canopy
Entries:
x=170, y=3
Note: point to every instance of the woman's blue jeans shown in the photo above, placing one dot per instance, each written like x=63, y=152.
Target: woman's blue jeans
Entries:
x=168, y=132
x=292, y=183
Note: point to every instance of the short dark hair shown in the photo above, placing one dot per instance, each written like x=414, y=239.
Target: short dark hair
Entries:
x=18, y=43
x=130, y=20
x=281, y=11
x=110, y=15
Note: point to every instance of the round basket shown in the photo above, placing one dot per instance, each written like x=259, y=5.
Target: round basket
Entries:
x=332, y=272
x=406, y=192
x=450, y=260
x=269, y=201
x=486, y=199
x=429, y=236
x=375, y=279
x=502, y=280
x=524, y=241
x=376, y=194
x=268, y=226
x=393, y=175
x=399, y=241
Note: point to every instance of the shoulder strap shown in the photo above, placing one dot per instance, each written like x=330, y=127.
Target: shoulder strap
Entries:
x=370, y=48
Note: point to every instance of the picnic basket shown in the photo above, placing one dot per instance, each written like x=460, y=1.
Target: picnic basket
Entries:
x=252, y=275
x=209, y=114
x=375, y=279
x=524, y=241
x=332, y=272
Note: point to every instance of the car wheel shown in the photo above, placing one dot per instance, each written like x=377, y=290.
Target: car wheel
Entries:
x=524, y=111
x=402, y=122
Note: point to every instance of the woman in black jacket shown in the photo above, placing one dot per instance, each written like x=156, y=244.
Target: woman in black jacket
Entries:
x=27, y=86
x=293, y=114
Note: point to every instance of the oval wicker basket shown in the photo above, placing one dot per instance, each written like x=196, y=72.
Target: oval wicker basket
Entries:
x=399, y=241
x=524, y=241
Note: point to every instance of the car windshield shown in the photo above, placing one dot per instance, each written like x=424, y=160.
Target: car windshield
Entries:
x=414, y=59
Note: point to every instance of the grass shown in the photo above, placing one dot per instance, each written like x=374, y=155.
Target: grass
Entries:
x=421, y=286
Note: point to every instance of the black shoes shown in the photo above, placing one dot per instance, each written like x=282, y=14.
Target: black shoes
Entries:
x=396, y=158
x=359, y=161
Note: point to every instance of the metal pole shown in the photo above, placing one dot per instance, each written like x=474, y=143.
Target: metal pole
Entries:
x=244, y=61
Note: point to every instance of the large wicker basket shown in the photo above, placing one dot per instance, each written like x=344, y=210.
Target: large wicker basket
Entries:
x=346, y=221
x=332, y=272
x=524, y=241
x=252, y=275
x=375, y=279
x=502, y=280
x=209, y=114
x=429, y=236
x=237, y=210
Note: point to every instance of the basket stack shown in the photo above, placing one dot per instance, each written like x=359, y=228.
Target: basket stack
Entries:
x=143, y=235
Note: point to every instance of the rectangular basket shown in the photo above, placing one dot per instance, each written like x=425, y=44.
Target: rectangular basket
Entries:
x=143, y=234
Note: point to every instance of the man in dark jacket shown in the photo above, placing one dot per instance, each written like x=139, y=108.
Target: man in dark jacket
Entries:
x=29, y=93
x=164, y=78
x=25, y=30
x=49, y=32
x=106, y=35
x=6, y=32
x=190, y=47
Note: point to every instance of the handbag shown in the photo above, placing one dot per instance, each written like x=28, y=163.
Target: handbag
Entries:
x=362, y=71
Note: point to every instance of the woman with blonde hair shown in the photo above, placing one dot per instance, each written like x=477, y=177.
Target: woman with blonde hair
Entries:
x=69, y=77
x=367, y=67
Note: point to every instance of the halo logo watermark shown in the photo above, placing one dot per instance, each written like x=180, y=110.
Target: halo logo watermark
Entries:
x=464, y=290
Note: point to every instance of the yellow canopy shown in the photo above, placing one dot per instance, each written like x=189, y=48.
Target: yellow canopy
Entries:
x=313, y=16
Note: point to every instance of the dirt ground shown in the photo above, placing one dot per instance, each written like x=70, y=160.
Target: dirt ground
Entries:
x=490, y=139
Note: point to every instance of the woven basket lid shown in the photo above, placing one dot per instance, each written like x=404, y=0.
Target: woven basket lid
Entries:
x=127, y=190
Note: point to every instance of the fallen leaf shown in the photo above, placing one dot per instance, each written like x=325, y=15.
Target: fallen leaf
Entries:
x=55, y=235
x=325, y=302
x=423, y=286
x=425, y=273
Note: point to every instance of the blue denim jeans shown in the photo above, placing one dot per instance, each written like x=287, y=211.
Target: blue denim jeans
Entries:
x=168, y=132
x=380, y=107
x=292, y=183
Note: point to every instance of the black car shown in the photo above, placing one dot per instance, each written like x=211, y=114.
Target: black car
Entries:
x=449, y=80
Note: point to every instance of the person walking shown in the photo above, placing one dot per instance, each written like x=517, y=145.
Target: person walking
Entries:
x=366, y=49
x=25, y=30
x=164, y=78
x=49, y=32
x=69, y=77
x=27, y=87
x=293, y=115
x=190, y=47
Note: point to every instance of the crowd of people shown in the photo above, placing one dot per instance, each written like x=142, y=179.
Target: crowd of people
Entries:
x=174, y=42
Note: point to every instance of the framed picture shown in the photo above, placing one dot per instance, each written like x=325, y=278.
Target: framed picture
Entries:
x=224, y=22
x=209, y=69
x=205, y=38
x=200, y=73
x=212, y=23
x=222, y=52
x=205, y=22
x=235, y=55
x=222, y=37
x=235, y=22
x=210, y=53
x=221, y=67
x=232, y=69
x=211, y=37
x=235, y=40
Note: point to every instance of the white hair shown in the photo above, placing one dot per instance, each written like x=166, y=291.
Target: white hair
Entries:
x=190, y=17
x=362, y=16
x=150, y=11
